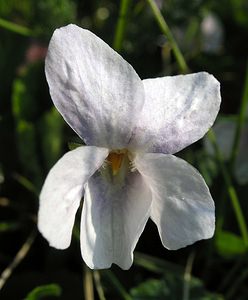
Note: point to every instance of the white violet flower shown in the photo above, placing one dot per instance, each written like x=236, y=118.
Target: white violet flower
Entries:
x=127, y=172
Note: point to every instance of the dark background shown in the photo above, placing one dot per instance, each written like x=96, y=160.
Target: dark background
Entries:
x=213, y=36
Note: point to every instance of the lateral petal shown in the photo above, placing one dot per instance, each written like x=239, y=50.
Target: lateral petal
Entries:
x=96, y=91
x=62, y=191
x=178, y=111
x=182, y=206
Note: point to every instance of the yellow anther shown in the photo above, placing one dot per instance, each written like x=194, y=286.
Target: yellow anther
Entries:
x=115, y=161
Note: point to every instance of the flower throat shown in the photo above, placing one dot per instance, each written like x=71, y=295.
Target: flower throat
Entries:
x=116, y=159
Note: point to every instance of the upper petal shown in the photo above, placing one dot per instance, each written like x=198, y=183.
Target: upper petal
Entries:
x=62, y=191
x=113, y=218
x=97, y=92
x=182, y=206
x=178, y=111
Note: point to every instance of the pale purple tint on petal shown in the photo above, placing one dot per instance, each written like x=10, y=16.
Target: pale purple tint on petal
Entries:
x=97, y=92
x=178, y=111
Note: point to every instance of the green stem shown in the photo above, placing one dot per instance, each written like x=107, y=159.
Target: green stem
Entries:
x=15, y=27
x=187, y=276
x=98, y=285
x=220, y=221
x=241, y=121
x=121, y=25
x=88, y=284
x=230, y=189
x=167, y=32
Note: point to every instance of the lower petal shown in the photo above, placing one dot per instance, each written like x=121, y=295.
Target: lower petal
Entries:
x=62, y=191
x=113, y=218
x=182, y=206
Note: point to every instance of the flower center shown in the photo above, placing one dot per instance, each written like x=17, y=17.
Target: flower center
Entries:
x=115, y=160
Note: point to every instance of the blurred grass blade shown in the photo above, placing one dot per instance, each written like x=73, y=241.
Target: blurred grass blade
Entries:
x=15, y=27
x=232, y=273
x=26, y=183
x=167, y=32
x=116, y=284
x=155, y=264
x=240, y=123
x=20, y=255
x=230, y=189
x=121, y=25
x=8, y=226
x=43, y=291
x=236, y=285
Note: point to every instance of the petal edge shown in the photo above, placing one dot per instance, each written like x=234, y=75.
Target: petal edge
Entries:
x=182, y=207
x=62, y=191
x=178, y=111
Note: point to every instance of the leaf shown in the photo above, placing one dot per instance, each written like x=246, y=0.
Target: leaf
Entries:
x=51, y=133
x=26, y=141
x=229, y=244
x=28, y=103
x=43, y=291
x=171, y=287
x=239, y=10
x=22, y=102
x=150, y=289
x=207, y=166
x=52, y=14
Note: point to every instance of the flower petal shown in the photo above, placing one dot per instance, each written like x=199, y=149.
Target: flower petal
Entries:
x=182, y=206
x=97, y=92
x=178, y=111
x=62, y=191
x=113, y=218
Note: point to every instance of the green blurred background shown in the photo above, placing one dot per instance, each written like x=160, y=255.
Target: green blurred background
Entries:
x=213, y=36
